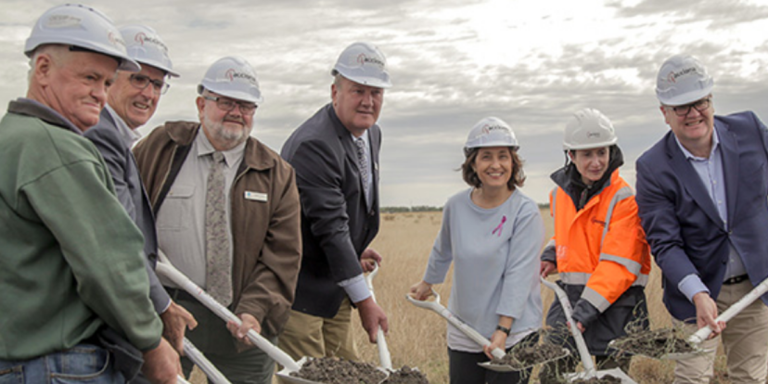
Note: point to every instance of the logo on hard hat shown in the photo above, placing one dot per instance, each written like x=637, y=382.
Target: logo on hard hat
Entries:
x=233, y=74
x=115, y=40
x=363, y=59
x=62, y=21
x=141, y=37
x=673, y=76
x=593, y=134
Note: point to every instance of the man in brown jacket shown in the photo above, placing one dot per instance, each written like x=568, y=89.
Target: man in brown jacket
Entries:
x=227, y=211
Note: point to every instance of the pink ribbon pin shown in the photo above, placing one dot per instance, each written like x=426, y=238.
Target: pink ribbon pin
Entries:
x=500, y=226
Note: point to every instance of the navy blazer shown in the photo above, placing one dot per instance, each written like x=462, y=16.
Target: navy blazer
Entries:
x=130, y=191
x=336, y=225
x=682, y=223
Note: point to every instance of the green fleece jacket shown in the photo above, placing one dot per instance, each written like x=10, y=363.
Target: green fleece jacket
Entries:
x=70, y=257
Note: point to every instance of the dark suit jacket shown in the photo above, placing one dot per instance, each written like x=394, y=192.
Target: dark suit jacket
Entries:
x=130, y=192
x=336, y=226
x=681, y=222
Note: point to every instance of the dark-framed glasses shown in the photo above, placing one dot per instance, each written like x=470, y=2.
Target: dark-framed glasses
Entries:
x=141, y=82
x=229, y=105
x=700, y=105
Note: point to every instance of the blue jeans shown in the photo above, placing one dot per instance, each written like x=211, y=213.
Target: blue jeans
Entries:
x=82, y=364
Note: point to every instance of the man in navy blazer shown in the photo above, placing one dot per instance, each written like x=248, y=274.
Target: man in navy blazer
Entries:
x=702, y=194
x=336, y=157
x=131, y=102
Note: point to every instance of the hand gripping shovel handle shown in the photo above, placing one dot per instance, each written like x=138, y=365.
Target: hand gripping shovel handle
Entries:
x=165, y=268
x=586, y=359
x=384, y=357
x=703, y=333
x=206, y=366
x=462, y=326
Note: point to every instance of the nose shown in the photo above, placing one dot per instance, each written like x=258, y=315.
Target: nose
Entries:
x=367, y=99
x=99, y=92
x=149, y=91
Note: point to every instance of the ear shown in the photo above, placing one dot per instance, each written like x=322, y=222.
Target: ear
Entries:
x=334, y=91
x=664, y=113
x=571, y=155
x=200, y=102
x=43, y=68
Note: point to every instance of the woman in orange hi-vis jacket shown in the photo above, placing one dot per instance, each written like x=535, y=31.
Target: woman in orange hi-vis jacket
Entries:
x=598, y=248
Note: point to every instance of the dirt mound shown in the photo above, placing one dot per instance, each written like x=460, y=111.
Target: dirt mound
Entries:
x=331, y=370
x=406, y=375
x=656, y=344
x=530, y=355
x=607, y=379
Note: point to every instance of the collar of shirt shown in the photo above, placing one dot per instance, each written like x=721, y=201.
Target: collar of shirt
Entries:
x=232, y=156
x=128, y=135
x=690, y=156
x=365, y=138
x=34, y=108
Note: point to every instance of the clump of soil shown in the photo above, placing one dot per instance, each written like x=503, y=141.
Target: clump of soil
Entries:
x=332, y=370
x=406, y=375
x=525, y=356
x=656, y=344
x=607, y=379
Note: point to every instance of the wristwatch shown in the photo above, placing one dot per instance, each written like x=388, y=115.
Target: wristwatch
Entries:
x=503, y=329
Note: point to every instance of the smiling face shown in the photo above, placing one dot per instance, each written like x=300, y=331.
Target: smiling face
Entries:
x=694, y=129
x=224, y=129
x=357, y=106
x=591, y=163
x=493, y=166
x=73, y=83
x=135, y=106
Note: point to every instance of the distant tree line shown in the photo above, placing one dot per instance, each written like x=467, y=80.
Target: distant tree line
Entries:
x=417, y=208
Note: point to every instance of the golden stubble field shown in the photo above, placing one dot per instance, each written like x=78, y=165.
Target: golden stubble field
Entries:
x=417, y=336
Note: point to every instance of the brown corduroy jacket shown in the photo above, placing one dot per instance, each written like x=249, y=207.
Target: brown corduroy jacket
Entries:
x=266, y=234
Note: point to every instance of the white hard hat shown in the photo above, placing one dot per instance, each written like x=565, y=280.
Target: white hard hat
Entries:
x=682, y=79
x=145, y=46
x=364, y=64
x=588, y=128
x=83, y=27
x=490, y=132
x=233, y=77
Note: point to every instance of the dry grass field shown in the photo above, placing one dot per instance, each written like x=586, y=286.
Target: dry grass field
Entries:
x=417, y=336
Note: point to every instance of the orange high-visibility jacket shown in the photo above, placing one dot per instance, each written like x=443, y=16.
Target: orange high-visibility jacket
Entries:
x=601, y=246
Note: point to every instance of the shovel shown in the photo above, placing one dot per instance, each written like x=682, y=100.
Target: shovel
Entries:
x=384, y=357
x=586, y=360
x=205, y=365
x=435, y=305
x=166, y=269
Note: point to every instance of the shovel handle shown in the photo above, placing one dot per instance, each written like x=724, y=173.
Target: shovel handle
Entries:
x=384, y=357
x=165, y=268
x=462, y=326
x=581, y=345
x=205, y=365
x=704, y=332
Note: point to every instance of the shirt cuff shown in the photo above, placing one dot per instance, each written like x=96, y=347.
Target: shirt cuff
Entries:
x=167, y=305
x=691, y=285
x=356, y=288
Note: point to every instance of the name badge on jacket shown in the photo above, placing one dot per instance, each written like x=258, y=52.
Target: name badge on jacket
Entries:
x=258, y=196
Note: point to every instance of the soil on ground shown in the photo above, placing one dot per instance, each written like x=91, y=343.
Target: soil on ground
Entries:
x=332, y=370
x=657, y=344
x=406, y=375
x=607, y=379
x=530, y=355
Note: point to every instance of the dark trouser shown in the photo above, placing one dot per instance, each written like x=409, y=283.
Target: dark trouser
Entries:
x=212, y=338
x=463, y=368
x=552, y=372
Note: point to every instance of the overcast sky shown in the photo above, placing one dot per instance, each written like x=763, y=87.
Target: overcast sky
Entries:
x=530, y=63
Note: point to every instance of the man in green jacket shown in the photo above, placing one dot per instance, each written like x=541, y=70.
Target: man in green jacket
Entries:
x=75, y=294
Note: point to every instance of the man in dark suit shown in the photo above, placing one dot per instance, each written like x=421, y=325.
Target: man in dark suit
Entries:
x=336, y=157
x=701, y=193
x=131, y=102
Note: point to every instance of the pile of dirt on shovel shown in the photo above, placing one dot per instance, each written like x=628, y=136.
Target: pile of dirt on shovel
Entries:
x=406, y=375
x=524, y=356
x=656, y=343
x=332, y=370
x=607, y=379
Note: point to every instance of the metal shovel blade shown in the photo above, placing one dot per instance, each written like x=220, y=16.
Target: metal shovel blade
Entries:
x=285, y=374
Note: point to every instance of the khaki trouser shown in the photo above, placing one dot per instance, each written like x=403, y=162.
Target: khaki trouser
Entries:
x=745, y=341
x=307, y=335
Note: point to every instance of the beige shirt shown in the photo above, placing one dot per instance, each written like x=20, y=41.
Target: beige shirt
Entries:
x=181, y=219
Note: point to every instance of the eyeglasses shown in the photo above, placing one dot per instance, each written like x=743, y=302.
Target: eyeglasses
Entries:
x=229, y=105
x=141, y=82
x=700, y=106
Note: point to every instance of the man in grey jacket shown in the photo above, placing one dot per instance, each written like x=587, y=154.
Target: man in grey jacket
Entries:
x=336, y=157
x=131, y=102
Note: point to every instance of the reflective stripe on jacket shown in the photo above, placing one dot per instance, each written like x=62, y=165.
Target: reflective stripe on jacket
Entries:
x=601, y=246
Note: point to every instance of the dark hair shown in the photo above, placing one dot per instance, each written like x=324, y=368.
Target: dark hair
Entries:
x=470, y=176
